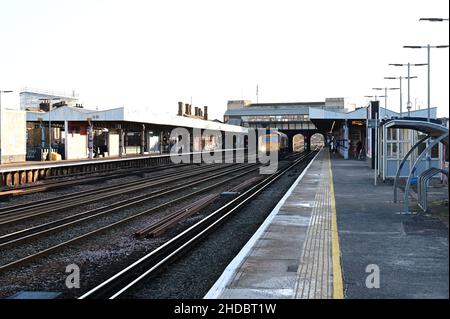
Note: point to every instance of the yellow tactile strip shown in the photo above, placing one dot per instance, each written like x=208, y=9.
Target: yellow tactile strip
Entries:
x=338, y=287
x=317, y=266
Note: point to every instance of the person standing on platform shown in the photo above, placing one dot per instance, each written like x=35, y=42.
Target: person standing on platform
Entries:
x=358, y=149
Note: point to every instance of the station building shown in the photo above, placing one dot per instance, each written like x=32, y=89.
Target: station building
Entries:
x=12, y=136
x=305, y=123
x=53, y=120
x=79, y=133
x=293, y=119
x=75, y=132
x=331, y=122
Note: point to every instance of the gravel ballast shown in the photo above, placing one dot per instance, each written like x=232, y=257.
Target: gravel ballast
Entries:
x=99, y=256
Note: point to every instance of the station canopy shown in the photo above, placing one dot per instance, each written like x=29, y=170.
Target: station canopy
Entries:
x=121, y=114
x=324, y=119
x=432, y=128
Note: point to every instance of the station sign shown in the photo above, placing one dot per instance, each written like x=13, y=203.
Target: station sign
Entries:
x=357, y=122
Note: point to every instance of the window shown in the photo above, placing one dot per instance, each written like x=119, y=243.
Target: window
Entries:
x=276, y=118
x=392, y=134
x=434, y=151
x=398, y=143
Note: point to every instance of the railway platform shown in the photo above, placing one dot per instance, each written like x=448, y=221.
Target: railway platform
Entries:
x=27, y=173
x=336, y=235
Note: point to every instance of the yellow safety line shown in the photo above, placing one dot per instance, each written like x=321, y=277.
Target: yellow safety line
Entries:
x=338, y=288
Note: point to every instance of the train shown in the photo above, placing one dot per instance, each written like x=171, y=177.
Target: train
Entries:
x=274, y=141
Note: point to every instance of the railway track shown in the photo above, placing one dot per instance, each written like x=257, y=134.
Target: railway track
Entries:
x=38, y=208
x=158, y=228
x=148, y=265
x=25, y=235
x=57, y=182
x=52, y=183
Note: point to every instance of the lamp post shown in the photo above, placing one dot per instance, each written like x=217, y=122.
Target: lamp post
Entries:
x=375, y=97
x=433, y=19
x=385, y=96
x=1, y=91
x=408, y=65
x=401, y=94
x=428, y=47
x=50, y=125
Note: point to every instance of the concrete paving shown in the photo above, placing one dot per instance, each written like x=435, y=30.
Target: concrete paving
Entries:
x=322, y=233
x=410, y=251
x=290, y=255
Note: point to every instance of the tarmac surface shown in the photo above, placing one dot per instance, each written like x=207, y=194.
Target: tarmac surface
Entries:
x=345, y=239
x=410, y=251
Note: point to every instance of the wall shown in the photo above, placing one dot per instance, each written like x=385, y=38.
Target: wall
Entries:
x=153, y=144
x=237, y=104
x=132, y=150
x=76, y=143
x=13, y=139
x=113, y=144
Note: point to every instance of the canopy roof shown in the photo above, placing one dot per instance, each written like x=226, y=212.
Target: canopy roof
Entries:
x=432, y=128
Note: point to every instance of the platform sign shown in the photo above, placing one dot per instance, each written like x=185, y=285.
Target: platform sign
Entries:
x=373, y=123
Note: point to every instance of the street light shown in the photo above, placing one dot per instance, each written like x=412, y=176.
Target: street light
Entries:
x=409, y=65
x=385, y=96
x=374, y=96
x=50, y=125
x=428, y=47
x=1, y=91
x=401, y=94
x=434, y=19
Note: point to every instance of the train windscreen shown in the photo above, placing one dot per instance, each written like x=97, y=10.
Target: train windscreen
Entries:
x=271, y=139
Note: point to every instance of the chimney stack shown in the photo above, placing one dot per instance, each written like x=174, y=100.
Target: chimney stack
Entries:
x=205, y=114
x=186, y=109
x=196, y=111
x=180, y=108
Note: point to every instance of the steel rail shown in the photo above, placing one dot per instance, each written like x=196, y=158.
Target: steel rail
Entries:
x=147, y=265
x=31, y=232
x=96, y=195
x=169, y=221
x=56, y=182
x=44, y=252
x=62, y=198
x=27, y=188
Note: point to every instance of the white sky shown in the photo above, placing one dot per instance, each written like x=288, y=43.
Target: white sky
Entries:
x=152, y=54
